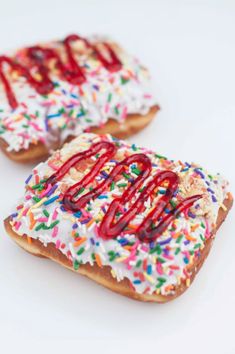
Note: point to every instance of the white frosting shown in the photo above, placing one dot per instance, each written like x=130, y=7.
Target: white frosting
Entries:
x=69, y=109
x=169, y=262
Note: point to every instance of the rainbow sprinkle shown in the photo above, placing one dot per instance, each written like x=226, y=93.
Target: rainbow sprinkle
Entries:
x=157, y=267
x=70, y=109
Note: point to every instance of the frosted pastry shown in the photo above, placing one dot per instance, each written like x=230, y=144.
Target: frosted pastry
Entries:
x=51, y=93
x=126, y=217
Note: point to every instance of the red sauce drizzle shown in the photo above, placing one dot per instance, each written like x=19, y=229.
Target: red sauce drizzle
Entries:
x=70, y=71
x=108, y=228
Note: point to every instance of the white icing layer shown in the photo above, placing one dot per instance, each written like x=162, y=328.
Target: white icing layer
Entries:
x=69, y=109
x=156, y=267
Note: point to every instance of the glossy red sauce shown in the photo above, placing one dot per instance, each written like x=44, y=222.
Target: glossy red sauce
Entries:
x=154, y=224
x=71, y=71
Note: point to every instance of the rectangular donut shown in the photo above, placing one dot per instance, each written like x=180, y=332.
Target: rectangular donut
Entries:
x=130, y=219
x=52, y=92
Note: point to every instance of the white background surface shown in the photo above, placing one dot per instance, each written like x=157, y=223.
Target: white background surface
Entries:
x=190, y=49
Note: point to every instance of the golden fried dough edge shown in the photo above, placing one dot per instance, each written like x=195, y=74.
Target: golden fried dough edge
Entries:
x=102, y=275
x=133, y=124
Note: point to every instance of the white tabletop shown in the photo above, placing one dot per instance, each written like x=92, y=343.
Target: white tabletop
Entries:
x=189, y=47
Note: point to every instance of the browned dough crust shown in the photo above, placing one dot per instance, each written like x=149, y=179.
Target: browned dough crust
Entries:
x=103, y=275
x=131, y=125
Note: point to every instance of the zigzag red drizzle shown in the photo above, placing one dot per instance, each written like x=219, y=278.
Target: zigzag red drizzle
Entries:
x=108, y=228
x=71, y=71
